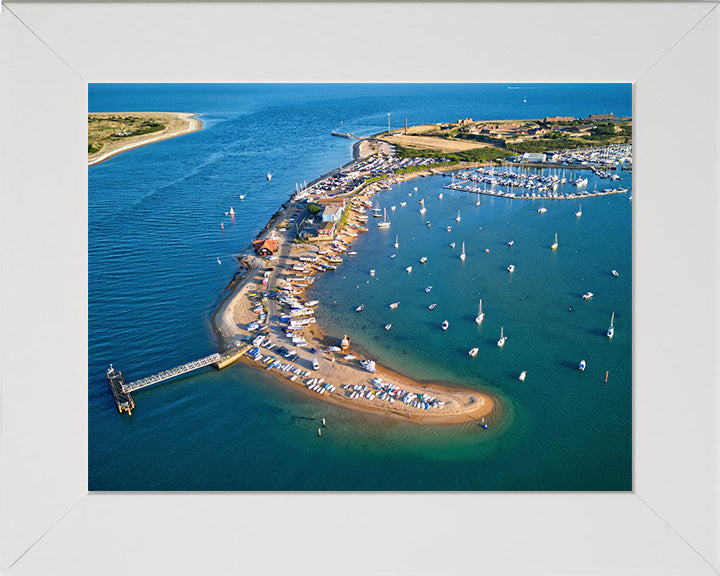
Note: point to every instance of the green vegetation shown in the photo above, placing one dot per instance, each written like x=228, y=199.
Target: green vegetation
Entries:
x=475, y=155
x=104, y=129
x=314, y=209
x=416, y=168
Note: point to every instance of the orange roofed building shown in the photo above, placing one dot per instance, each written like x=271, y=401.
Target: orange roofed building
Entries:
x=265, y=247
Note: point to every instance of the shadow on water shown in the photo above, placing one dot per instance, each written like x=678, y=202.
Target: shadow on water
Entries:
x=597, y=332
x=567, y=364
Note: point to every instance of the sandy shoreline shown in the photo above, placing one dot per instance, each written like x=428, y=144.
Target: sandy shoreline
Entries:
x=347, y=377
x=180, y=123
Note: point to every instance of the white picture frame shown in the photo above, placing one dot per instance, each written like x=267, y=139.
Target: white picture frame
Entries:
x=50, y=524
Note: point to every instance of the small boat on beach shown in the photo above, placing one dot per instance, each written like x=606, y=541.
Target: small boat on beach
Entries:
x=522, y=376
x=582, y=365
x=481, y=315
x=503, y=338
x=315, y=364
x=445, y=325
x=611, y=330
x=473, y=352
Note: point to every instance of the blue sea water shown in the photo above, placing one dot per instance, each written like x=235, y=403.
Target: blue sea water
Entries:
x=154, y=238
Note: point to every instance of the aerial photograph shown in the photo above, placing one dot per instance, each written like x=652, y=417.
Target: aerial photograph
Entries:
x=360, y=287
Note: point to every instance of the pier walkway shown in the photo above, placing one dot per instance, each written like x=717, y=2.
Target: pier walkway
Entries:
x=121, y=390
x=172, y=373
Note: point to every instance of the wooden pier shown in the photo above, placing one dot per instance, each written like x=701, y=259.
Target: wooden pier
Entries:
x=121, y=390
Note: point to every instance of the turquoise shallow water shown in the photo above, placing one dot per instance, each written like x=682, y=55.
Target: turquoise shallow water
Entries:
x=154, y=237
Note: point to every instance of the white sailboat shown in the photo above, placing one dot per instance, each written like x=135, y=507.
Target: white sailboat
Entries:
x=269, y=176
x=458, y=217
x=396, y=243
x=385, y=222
x=481, y=315
x=579, y=212
x=611, y=330
x=462, y=254
x=555, y=244
x=501, y=342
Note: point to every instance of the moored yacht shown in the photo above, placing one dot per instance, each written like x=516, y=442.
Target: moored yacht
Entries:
x=481, y=315
x=611, y=330
x=503, y=338
x=522, y=376
x=473, y=352
x=554, y=244
x=445, y=325
x=582, y=365
x=462, y=254
x=587, y=296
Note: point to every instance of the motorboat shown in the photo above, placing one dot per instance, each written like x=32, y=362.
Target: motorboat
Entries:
x=473, y=352
x=511, y=242
x=522, y=376
x=360, y=308
x=587, y=296
x=511, y=268
x=615, y=273
x=394, y=305
x=432, y=306
x=388, y=326
x=445, y=325
x=408, y=269
x=428, y=289
x=423, y=260
x=582, y=365
x=542, y=210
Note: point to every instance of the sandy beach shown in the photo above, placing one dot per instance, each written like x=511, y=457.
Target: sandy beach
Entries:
x=351, y=383
x=179, y=123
